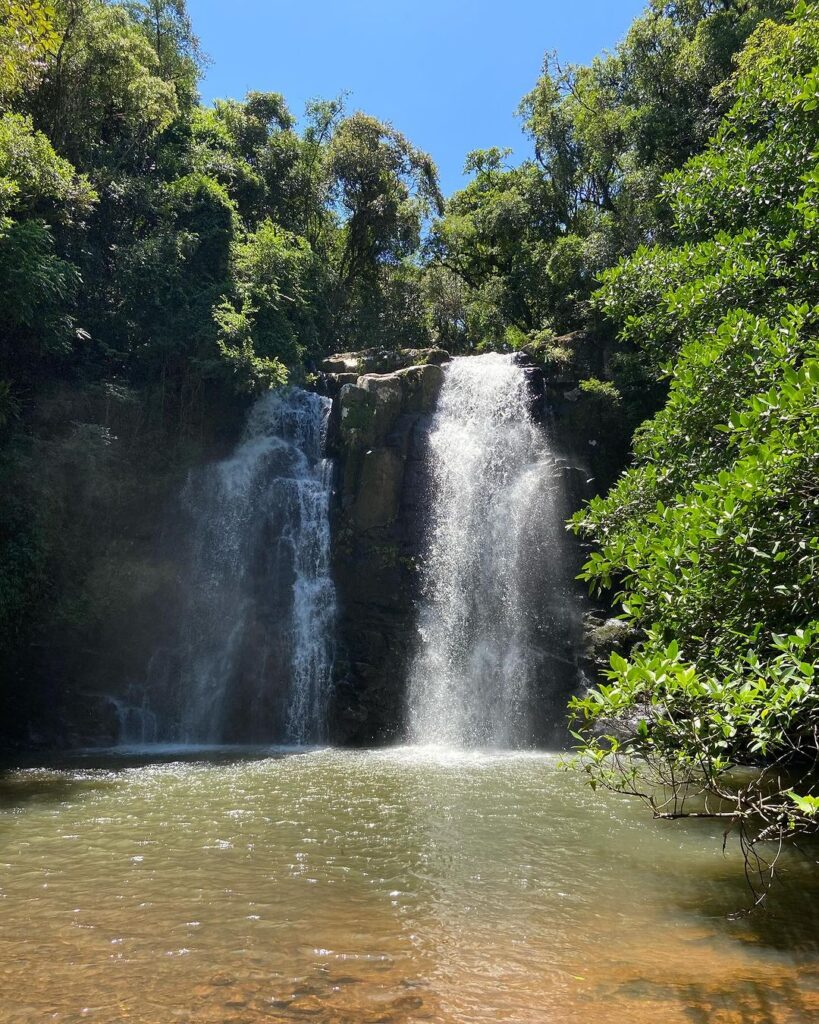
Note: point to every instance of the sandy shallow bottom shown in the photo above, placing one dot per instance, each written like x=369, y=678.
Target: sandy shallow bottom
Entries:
x=397, y=886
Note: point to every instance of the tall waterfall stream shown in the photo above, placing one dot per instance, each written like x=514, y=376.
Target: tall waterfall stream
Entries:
x=495, y=561
x=262, y=608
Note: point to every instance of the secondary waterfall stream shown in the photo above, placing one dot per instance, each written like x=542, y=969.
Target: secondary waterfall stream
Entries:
x=258, y=632
x=496, y=607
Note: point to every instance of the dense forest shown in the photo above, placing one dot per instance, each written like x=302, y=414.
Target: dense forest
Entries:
x=161, y=261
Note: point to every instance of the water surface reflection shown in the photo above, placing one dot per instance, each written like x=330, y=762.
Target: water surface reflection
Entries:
x=396, y=886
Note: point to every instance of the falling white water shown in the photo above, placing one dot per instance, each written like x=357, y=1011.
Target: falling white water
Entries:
x=258, y=631
x=495, y=528
x=136, y=721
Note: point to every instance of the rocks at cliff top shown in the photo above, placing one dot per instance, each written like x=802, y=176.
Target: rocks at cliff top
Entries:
x=347, y=367
x=369, y=410
x=418, y=386
x=379, y=360
x=378, y=431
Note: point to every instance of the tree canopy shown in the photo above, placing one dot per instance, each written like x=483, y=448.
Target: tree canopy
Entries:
x=529, y=241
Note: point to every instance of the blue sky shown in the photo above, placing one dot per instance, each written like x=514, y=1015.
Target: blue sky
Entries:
x=447, y=73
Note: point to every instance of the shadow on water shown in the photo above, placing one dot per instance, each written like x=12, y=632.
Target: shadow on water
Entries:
x=750, y=1002
x=19, y=789
x=115, y=759
x=787, y=919
x=746, y=1001
x=767, y=958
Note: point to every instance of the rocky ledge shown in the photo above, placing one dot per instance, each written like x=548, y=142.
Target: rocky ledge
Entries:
x=346, y=367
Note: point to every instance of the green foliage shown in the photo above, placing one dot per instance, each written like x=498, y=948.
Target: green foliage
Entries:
x=202, y=210
x=385, y=186
x=168, y=29
x=305, y=236
x=602, y=389
x=252, y=149
x=34, y=180
x=39, y=287
x=530, y=242
x=277, y=284
x=37, y=186
x=103, y=100
x=492, y=238
x=235, y=342
x=710, y=538
x=27, y=34
x=746, y=223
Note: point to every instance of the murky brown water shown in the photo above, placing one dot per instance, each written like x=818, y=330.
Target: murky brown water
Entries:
x=357, y=888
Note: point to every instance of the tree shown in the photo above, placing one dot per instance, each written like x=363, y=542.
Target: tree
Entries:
x=274, y=320
x=384, y=188
x=169, y=29
x=38, y=191
x=603, y=136
x=27, y=36
x=102, y=99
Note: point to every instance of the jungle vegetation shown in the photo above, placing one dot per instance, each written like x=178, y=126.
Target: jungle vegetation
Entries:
x=160, y=263
x=710, y=539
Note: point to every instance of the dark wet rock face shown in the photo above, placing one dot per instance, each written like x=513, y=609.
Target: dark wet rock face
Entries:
x=588, y=423
x=604, y=635
x=378, y=432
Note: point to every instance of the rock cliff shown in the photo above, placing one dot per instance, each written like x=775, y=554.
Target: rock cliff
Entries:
x=378, y=430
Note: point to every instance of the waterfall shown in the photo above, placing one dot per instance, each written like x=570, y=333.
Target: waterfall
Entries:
x=136, y=722
x=258, y=625
x=495, y=582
